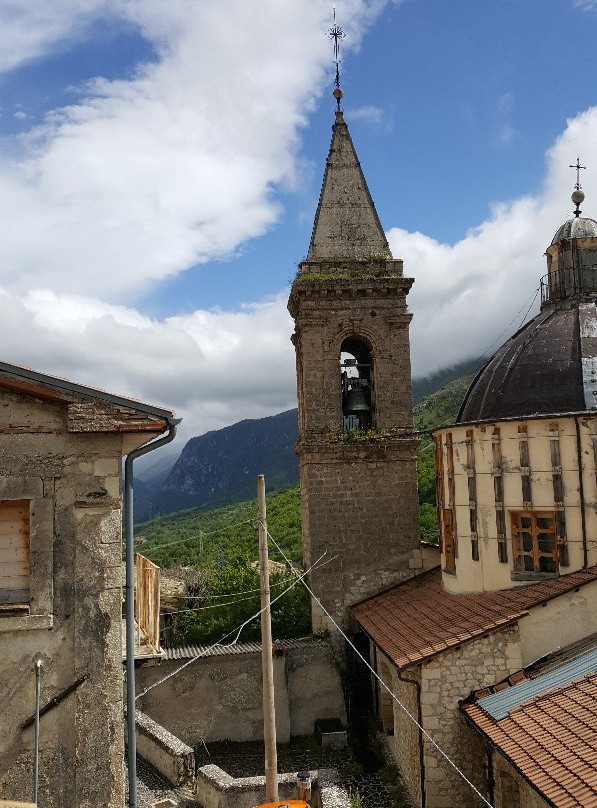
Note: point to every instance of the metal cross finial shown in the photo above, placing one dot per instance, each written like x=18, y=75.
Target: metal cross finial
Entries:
x=337, y=34
x=578, y=167
x=577, y=195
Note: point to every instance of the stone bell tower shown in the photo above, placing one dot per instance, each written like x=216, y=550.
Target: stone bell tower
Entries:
x=356, y=446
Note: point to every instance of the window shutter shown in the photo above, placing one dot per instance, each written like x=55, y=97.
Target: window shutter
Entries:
x=14, y=551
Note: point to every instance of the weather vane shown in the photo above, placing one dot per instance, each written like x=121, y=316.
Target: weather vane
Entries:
x=337, y=34
x=577, y=195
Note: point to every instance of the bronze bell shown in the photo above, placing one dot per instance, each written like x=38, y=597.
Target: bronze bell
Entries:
x=356, y=401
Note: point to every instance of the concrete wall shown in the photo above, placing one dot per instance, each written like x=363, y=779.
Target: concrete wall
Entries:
x=218, y=697
x=73, y=620
x=488, y=573
x=166, y=753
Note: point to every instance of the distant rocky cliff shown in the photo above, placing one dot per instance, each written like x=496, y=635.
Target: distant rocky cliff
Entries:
x=222, y=466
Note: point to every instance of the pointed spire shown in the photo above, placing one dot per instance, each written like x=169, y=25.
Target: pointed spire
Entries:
x=346, y=223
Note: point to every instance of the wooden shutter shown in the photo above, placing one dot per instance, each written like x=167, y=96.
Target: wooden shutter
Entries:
x=14, y=551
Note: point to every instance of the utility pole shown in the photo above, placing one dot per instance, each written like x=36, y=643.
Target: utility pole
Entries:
x=267, y=665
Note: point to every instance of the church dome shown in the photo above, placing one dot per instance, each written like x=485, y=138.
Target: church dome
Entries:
x=539, y=370
x=576, y=228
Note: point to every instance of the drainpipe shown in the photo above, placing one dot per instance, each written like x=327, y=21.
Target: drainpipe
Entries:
x=130, y=600
x=581, y=491
x=421, y=747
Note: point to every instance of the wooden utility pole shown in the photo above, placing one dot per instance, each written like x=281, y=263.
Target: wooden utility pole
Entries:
x=267, y=665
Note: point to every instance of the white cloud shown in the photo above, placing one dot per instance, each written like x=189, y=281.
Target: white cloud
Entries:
x=377, y=118
x=465, y=294
x=144, y=178
x=213, y=367
x=28, y=30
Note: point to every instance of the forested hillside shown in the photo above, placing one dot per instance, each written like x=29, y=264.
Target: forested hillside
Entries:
x=213, y=549
x=220, y=466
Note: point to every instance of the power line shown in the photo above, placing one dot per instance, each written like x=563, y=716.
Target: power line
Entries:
x=238, y=630
x=380, y=680
x=194, y=538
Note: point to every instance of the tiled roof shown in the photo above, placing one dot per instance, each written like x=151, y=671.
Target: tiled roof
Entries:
x=419, y=619
x=551, y=739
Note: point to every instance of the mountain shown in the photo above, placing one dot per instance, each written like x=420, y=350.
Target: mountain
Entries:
x=221, y=466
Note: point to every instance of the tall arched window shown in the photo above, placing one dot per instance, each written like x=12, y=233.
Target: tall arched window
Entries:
x=356, y=373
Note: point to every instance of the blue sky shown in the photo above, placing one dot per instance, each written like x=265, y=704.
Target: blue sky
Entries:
x=160, y=166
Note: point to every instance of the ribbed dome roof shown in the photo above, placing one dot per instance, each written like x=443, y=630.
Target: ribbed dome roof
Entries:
x=540, y=369
x=576, y=228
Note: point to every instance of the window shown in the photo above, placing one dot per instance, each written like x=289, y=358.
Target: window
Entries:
x=534, y=541
x=357, y=384
x=14, y=553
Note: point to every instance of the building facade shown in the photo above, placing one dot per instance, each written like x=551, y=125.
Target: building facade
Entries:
x=61, y=450
x=517, y=580
x=356, y=445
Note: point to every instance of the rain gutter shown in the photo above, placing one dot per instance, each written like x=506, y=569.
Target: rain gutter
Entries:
x=130, y=601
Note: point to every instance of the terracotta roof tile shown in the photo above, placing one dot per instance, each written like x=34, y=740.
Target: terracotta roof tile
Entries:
x=551, y=740
x=418, y=618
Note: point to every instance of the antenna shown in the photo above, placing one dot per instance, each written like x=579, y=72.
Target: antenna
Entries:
x=337, y=34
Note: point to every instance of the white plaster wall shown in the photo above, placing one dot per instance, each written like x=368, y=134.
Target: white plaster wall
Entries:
x=559, y=622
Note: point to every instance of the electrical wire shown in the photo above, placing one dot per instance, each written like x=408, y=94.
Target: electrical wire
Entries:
x=424, y=732
x=236, y=631
x=203, y=533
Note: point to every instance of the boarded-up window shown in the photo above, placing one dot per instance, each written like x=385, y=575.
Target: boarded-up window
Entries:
x=14, y=551
x=534, y=540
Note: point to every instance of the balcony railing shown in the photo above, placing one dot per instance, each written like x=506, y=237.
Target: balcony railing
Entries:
x=569, y=282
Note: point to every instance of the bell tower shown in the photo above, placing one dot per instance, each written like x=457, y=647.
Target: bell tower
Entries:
x=356, y=447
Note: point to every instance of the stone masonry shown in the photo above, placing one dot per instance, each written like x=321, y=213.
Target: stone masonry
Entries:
x=68, y=470
x=358, y=490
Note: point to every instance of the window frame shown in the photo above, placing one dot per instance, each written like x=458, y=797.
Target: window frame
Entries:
x=38, y=612
x=535, y=552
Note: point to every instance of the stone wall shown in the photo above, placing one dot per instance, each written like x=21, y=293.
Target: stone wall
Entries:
x=73, y=623
x=511, y=790
x=218, y=697
x=445, y=681
x=359, y=502
x=404, y=740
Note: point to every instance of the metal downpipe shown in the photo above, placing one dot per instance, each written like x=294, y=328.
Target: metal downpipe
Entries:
x=36, y=742
x=130, y=602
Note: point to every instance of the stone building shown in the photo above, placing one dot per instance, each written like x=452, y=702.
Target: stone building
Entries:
x=61, y=450
x=356, y=446
x=495, y=652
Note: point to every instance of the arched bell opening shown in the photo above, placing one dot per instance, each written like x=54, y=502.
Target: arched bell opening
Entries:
x=356, y=374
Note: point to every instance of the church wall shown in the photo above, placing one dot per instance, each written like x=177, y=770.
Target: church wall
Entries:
x=503, y=440
x=559, y=622
x=445, y=681
x=510, y=789
x=351, y=513
x=403, y=737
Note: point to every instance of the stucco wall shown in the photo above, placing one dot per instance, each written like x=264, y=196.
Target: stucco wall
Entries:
x=488, y=573
x=219, y=697
x=74, y=625
x=559, y=622
x=445, y=681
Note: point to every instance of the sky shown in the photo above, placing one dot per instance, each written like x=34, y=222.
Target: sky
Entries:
x=160, y=165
